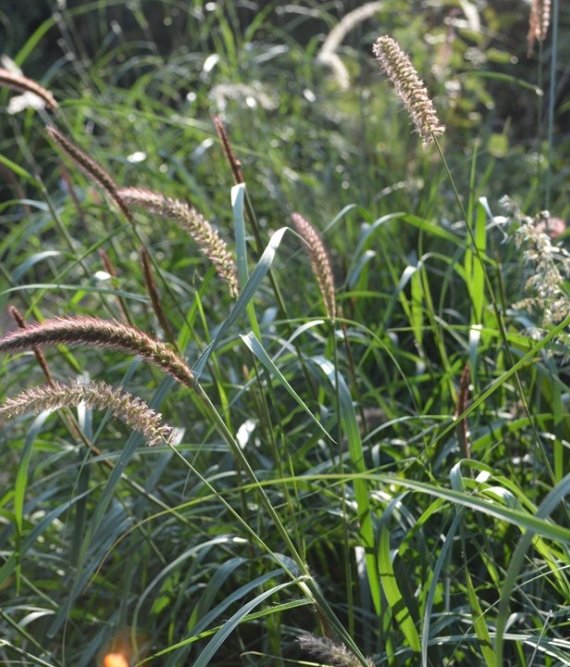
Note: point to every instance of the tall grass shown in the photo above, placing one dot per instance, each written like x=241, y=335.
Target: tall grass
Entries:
x=354, y=375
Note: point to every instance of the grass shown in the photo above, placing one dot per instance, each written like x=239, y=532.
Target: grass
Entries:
x=367, y=467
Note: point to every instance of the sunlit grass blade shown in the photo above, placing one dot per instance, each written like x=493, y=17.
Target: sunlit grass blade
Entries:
x=238, y=195
x=523, y=519
x=246, y=294
x=474, y=271
x=389, y=583
x=257, y=349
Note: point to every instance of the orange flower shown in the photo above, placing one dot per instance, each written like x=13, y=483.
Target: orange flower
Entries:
x=115, y=660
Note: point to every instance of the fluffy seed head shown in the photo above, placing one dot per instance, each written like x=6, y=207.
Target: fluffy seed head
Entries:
x=320, y=261
x=98, y=395
x=331, y=653
x=548, y=269
x=193, y=223
x=410, y=88
x=95, y=332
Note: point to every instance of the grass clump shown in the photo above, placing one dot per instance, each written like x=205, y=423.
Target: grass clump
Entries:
x=395, y=499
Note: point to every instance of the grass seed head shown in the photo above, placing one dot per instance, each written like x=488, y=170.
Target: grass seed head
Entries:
x=331, y=653
x=409, y=87
x=90, y=167
x=193, y=223
x=25, y=85
x=96, y=332
x=538, y=23
x=98, y=395
x=320, y=261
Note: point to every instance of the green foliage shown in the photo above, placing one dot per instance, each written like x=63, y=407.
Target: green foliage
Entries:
x=328, y=476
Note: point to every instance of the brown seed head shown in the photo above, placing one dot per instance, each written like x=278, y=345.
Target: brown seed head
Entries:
x=91, y=168
x=23, y=84
x=235, y=164
x=193, y=223
x=320, y=261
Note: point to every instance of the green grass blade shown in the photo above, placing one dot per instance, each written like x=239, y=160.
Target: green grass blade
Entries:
x=252, y=285
x=547, y=506
x=229, y=626
x=474, y=269
x=257, y=349
x=479, y=622
x=390, y=587
x=435, y=582
x=238, y=209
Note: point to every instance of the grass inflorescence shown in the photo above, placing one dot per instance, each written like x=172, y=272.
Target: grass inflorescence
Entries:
x=131, y=410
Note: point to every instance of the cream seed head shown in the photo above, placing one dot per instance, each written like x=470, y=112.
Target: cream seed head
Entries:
x=538, y=23
x=329, y=652
x=409, y=87
x=97, y=395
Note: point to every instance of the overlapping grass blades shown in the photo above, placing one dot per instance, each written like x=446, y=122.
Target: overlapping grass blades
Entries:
x=314, y=487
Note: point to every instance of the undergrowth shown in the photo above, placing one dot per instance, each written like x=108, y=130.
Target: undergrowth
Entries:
x=318, y=416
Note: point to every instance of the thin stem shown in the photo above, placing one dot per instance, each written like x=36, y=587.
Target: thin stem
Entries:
x=311, y=588
x=496, y=311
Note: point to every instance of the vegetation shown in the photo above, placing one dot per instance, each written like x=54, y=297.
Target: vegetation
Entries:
x=293, y=326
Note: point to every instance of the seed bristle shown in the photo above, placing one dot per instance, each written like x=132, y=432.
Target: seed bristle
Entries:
x=98, y=395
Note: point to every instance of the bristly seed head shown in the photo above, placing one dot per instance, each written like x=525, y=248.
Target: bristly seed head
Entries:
x=193, y=223
x=95, y=332
x=329, y=652
x=538, y=23
x=320, y=261
x=98, y=395
x=410, y=88
x=549, y=269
